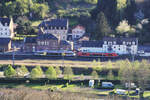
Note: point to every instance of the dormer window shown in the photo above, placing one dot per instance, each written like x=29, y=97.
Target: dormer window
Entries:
x=105, y=42
x=133, y=43
x=5, y=24
x=114, y=42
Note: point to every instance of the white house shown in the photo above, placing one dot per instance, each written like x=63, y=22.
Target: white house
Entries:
x=6, y=34
x=78, y=32
x=56, y=27
x=111, y=45
x=6, y=28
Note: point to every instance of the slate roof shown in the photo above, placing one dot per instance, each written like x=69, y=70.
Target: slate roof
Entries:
x=55, y=23
x=146, y=48
x=30, y=40
x=63, y=42
x=46, y=36
x=4, y=41
x=120, y=40
x=92, y=43
x=5, y=20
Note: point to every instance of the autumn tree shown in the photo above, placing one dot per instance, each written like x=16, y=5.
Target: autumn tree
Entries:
x=124, y=28
x=22, y=71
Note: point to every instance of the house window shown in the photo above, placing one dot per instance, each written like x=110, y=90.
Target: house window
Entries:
x=5, y=28
x=5, y=33
x=124, y=42
x=129, y=43
x=109, y=43
x=133, y=43
x=77, y=36
x=38, y=42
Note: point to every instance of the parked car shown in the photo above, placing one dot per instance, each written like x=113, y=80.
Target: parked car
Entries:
x=120, y=91
x=132, y=85
x=107, y=85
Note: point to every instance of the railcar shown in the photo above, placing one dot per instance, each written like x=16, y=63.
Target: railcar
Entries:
x=92, y=54
x=55, y=53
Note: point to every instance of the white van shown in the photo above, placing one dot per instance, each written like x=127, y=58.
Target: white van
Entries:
x=107, y=85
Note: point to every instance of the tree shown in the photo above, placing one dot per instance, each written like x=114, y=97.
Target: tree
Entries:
x=94, y=74
x=24, y=25
x=35, y=73
x=10, y=71
x=108, y=7
x=39, y=69
x=110, y=75
x=126, y=73
x=124, y=28
x=68, y=73
x=103, y=28
x=21, y=7
x=109, y=64
x=130, y=11
x=121, y=5
x=22, y=71
x=50, y=73
x=39, y=10
x=143, y=76
x=58, y=70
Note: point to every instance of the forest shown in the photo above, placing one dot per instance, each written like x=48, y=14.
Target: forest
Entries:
x=113, y=18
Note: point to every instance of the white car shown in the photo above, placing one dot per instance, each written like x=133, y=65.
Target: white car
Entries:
x=120, y=91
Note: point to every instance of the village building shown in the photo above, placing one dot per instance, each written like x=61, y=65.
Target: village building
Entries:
x=77, y=32
x=45, y=43
x=29, y=44
x=111, y=45
x=6, y=34
x=56, y=27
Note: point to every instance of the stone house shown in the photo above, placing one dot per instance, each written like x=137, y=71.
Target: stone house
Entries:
x=56, y=27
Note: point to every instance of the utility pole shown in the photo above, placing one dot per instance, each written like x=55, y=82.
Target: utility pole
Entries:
x=13, y=56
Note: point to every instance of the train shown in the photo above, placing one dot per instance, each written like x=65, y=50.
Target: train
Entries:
x=96, y=54
x=75, y=53
x=55, y=53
